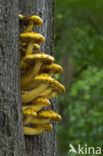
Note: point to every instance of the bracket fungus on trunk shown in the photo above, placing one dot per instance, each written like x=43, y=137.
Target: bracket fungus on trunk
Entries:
x=38, y=84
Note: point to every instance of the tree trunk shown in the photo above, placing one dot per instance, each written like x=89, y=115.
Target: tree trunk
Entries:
x=11, y=131
x=44, y=144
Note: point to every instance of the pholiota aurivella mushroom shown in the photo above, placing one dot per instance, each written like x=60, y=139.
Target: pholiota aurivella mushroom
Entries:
x=37, y=104
x=38, y=84
x=23, y=66
x=52, y=69
x=35, y=60
x=53, y=89
x=43, y=117
x=42, y=81
x=30, y=38
x=31, y=22
x=58, y=88
x=23, y=47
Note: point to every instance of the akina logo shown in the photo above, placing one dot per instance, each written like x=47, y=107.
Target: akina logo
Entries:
x=84, y=150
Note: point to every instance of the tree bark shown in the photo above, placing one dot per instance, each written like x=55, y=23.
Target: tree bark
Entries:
x=11, y=131
x=43, y=144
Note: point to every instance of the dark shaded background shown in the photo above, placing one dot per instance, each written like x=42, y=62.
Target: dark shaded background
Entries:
x=79, y=49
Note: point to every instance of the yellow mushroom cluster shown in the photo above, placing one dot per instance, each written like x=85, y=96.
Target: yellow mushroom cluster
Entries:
x=38, y=84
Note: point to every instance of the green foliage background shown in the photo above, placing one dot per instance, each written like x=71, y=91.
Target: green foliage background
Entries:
x=79, y=49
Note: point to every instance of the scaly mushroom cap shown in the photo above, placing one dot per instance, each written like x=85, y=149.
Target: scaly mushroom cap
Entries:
x=58, y=87
x=52, y=82
x=37, y=104
x=41, y=56
x=36, y=20
x=30, y=112
x=49, y=114
x=44, y=78
x=32, y=37
x=41, y=100
x=53, y=68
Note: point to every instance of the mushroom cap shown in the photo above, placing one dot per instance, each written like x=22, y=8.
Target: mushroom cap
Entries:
x=29, y=111
x=41, y=56
x=58, y=87
x=36, y=46
x=46, y=126
x=32, y=37
x=49, y=114
x=45, y=78
x=41, y=100
x=53, y=67
x=36, y=20
x=38, y=104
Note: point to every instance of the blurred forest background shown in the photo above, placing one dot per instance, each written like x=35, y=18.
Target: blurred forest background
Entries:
x=79, y=49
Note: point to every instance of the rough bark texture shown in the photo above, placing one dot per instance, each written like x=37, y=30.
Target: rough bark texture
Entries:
x=11, y=136
x=44, y=144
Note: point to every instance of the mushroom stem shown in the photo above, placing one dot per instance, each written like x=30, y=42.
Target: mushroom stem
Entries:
x=29, y=48
x=35, y=121
x=39, y=121
x=28, y=96
x=29, y=27
x=28, y=76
